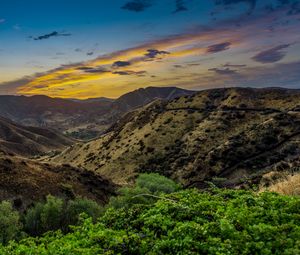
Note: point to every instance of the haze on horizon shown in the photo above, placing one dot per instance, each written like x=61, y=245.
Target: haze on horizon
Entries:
x=107, y=48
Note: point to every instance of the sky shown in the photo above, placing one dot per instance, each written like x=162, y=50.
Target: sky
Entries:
x=100, y=48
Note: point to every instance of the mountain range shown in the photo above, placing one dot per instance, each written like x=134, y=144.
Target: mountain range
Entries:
x=81, y=119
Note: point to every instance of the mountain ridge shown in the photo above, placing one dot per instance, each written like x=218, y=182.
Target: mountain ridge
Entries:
x=234, y=134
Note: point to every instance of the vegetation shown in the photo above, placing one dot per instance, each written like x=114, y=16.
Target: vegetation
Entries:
x=53, y=214
x=181, y=222
x=287, y=185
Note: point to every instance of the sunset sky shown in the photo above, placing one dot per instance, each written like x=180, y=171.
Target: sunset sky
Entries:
x=95, y=48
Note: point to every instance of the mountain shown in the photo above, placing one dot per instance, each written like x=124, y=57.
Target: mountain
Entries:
x=29, y=141
x=26, y=181
x=82, y=119
x=227, y=136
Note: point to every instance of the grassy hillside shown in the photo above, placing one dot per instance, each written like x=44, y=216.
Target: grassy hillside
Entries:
x=227, y=136
x=26, y=181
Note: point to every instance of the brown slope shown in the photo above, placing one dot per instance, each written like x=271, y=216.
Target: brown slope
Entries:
x=25, y=181
x=222, y=135
x=29, y=141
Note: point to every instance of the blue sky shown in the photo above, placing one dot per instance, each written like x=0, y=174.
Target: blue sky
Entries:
x=50, y=47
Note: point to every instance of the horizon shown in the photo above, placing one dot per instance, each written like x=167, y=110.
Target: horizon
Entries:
x=93, y=49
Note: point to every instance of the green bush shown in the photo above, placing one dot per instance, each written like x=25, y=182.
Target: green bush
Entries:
x=56, y=214
x=45, y=217
x=142, y=193
x=187, y=222
x=156, y=183
x=129, y=197
x=79, y=206
x=10, y=225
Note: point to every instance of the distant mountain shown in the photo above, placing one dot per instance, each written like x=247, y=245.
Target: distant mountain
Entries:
x=83, y=119
x=29, y=141
x=141, y=97
x=24, y=182
x=230, y=137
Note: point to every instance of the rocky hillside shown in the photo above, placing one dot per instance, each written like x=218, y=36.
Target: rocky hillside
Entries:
x=226, y=136
x=29, y=141
x=82, y=119
x=25, y=181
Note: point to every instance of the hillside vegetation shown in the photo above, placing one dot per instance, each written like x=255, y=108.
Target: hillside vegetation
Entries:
x=185, y=222
x=230, y=137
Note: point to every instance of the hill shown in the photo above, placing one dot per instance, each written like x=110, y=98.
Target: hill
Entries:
x=26, y=181
x=82, y=119
x=227, y=136
x=29, y=141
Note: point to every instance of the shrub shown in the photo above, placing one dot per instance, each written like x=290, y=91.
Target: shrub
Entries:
x=10, y=225
x=45, y=217
x=187, y=222
x=129, y=197
x=79, y=206
x=156, y=183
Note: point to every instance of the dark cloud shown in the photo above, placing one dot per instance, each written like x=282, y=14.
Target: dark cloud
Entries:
x=225, y=71
x=295, y=8
x=47, y=36
x=139, y=73
x=78, y=50
x=252, y=3
x=137, y=5
x=234, y=65
x=178, y=66
x=153, y=53
x=10, y=87
x=272, y=55
x=218, y=47
x=121, y=64
x=90, y=53
x=87, y=69
x=180, y=6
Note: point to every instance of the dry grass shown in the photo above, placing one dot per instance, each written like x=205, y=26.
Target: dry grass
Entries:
x=287, y=186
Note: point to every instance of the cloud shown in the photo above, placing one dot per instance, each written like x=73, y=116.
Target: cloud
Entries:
x=139, y=73
x=153, y=53
x=17, y=27
x=117, y=64
x=93, y=69
x=272, y=55
x=234, y=65
x=252, y=3
x=226, y=71
x=2, y=21
x=11, y=87
x=218, y=47
x=90, y=53
x=180, y=6
x=137, y=5
x=53, y=34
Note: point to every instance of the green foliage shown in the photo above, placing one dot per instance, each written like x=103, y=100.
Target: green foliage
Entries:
x=45, y=217
x=9, y=222
x=186, y=222
x=79, y=206
x=55, y=214
x=145, y=186
x=156, y=183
